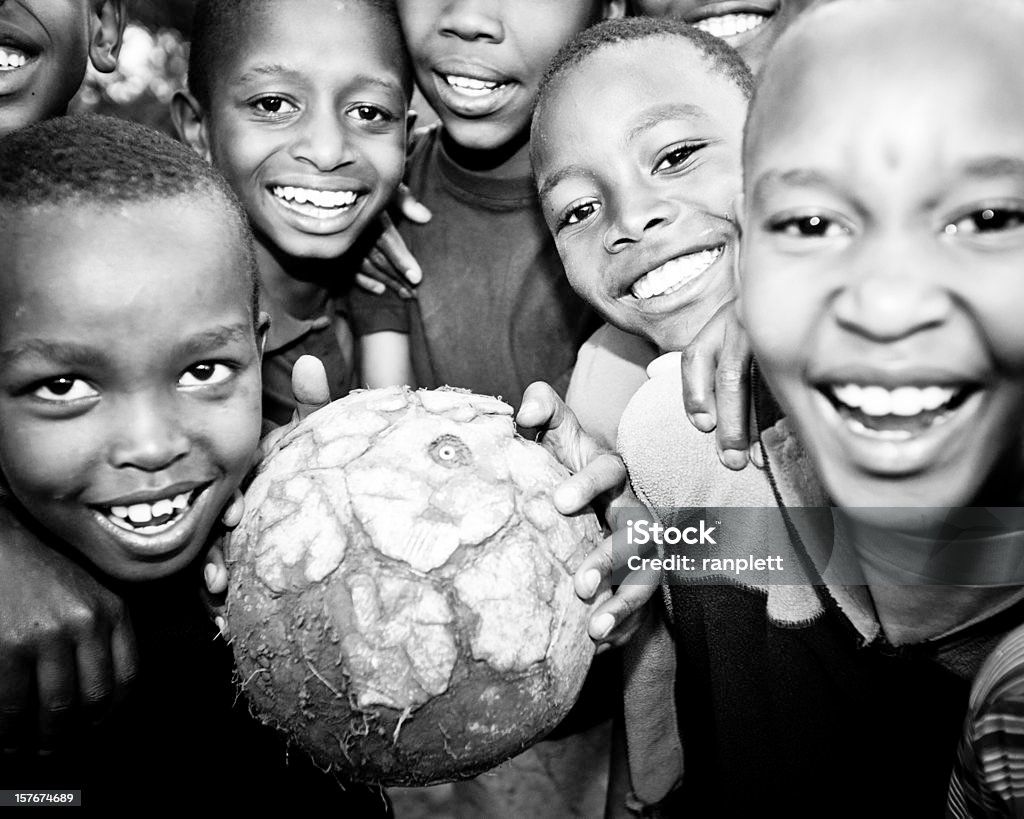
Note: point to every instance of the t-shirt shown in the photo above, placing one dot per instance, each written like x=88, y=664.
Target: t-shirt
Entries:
x=495, y=311
x=782, y=693
x=183, y=741
x=327, y=336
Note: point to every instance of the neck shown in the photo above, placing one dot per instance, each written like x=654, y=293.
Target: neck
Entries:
x=509, y=161
x=294, y=284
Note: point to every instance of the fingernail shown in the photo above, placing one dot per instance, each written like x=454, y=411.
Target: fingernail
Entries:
x=414, y=275
x=703, y=421
x=526, y=408
x=601, y=626
x=404, y=293
x=590, y=581
x=221, y=624
x=756, y=457
x=210, y=574
x=734, y=458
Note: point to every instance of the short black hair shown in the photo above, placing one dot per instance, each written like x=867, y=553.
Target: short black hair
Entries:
x=89, y=160
x=723, y=59
x=215, y=34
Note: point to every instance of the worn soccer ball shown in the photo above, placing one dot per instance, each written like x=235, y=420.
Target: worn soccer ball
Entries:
x=401, y=600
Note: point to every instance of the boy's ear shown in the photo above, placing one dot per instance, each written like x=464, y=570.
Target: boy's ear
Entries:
x=106, y=28
x=614, y=9
x=262, y=330
x=737, y=209
x=189, y=122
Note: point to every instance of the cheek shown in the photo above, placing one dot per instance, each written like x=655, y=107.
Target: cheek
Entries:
x=47, y=460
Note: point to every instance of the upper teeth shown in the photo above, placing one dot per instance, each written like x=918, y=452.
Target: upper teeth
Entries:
x=145, y=512
x=674, y=274
x=729, y=25
x=904, y=401
x=317, y=198
x=470, y=85
x=11, y=59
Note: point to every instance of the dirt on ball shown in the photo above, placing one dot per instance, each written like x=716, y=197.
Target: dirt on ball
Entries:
x=401, y=597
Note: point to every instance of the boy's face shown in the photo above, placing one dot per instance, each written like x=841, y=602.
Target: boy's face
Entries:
x=883, y=254
x=638, y=163
x=750, y=26
x=44, y=47
x=479, y=62
x=308, y=124
x=129, y=381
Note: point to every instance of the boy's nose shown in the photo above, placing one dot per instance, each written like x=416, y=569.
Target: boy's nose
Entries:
x=894, y=292
x=637, y=214
x=322, y=142
x=149, y=435
x=473, y=20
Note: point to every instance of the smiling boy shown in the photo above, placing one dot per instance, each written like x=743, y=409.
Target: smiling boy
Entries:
x=883, y=214
x=44, y=48
x=303, y=107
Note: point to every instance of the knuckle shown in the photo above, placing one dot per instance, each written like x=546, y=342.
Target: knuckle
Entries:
x=731, y=377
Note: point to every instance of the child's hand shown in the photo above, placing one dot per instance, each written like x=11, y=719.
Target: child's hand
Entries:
x=311, y=392
x=716, y=387
x=599, y=478
x=389, y=263
x=67, y=650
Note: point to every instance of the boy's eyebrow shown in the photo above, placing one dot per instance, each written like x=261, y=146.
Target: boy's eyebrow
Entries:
x=802, y=177
x=274, y=69
x=202, y=343
x=63, y=351
x=663, y=113
x=995, y=166
x=558, y=176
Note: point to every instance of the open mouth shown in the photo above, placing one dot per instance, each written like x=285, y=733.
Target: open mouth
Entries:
x=895, y=414
x=730, y=25
x=675, y=273
x=471, y=86
x=314, y=203
x=151, y=518
x=12, y=58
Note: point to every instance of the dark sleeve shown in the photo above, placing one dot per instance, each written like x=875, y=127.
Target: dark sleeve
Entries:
x=370, y=313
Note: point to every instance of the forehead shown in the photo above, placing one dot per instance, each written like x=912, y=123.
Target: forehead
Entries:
x=851, y=93
x=622, y=89
x=313, y=35
x=176, y=257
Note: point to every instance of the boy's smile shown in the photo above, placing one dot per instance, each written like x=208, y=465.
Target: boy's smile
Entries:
x=479, y=64
x=44, y=48
x=637, y=158
x=882, y=256
x=129, y=383
x=750, y=26
x=308, y=122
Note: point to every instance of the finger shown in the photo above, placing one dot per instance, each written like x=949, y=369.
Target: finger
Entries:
x=541, y=407
x=309, y=386
x=16, y=679
x=397, y=255
x=215, y=572
x=95, y=678
x=601, y=474
x=698, y=373
x=410, y=207
x=630, y=597
x=57, y=684
x=371, y=284
x=233, y=512
x=756, y=455
x=124, y=658
x=732, y=398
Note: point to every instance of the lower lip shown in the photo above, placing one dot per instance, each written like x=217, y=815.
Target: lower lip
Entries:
x=333, y=222
x=162, y=545
x=900, y=458
x=674, y=300
x=475, y=106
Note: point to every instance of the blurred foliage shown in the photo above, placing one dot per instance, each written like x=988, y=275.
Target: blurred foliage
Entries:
x=152, y=65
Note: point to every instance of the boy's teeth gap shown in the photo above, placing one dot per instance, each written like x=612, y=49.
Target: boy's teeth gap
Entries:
x=140, y=516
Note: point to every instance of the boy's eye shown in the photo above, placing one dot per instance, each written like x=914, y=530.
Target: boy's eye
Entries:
x=988, y=220
x=273, y=106
x=677, y=156
x=205, y=374
x=370, y=113
x=577, y=213
x=64, y=389
x=808, y=227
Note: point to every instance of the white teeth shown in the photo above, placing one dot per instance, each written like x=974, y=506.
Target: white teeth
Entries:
x=881, y=434
x=470, y=86
x=140, y=513
x=180, y=501
x=674, y=274
x=162, y=507
x=135, y=517
x=9, y=60
x=903, y=401
x=319, y=199
x=729, y=25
